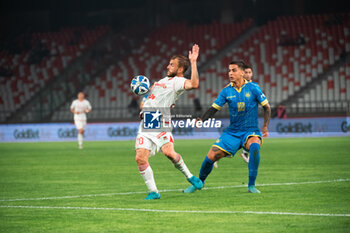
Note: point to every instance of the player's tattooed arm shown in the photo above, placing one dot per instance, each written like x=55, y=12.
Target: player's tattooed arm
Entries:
x=267, y=116
x=193, y=83
x=209, y=114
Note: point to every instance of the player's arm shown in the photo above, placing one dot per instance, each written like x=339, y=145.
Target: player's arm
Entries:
x=267, y=111
x=145, y=97
x=267, y=116
x=208, y=114
x=143, y=102
x=72, y=108
x=89, y=108
x=193, y=83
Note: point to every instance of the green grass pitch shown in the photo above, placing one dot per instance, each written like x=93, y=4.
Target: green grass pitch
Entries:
x=54, y=187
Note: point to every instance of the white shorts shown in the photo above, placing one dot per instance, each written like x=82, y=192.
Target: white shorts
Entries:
x=153, y=141
x=80, y=124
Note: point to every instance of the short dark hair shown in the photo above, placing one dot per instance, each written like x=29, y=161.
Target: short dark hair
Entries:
x=241, y=64
x=248, y=67
x=183, y=61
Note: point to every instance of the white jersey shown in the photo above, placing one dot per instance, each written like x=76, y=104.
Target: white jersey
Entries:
x=163, y=96
x=165, y=92
x=82, y=107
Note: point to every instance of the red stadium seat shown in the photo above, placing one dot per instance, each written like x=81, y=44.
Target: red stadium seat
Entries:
x=36, y=75
x=270, y=60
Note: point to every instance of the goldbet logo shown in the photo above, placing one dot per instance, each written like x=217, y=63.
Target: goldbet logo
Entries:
x=26, y=134
x=67, y=133
x=121, y=132
x=345, y=127
x=297, y=127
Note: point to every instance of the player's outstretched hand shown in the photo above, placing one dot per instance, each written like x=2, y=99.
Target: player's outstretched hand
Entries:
x=193, y=55
x=265, y=132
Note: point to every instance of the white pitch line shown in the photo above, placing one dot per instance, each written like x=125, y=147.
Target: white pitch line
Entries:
x=178, y=211
x=284, y=184
x=171, y=190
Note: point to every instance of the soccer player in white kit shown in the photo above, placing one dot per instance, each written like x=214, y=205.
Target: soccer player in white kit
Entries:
x=80, y=107
x=162, y=96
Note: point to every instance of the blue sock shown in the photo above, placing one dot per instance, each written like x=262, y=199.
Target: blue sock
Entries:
x=254, y=160
x=206, y=168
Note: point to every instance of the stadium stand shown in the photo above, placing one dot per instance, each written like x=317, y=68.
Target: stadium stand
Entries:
x=115, y=47
x=286, y=54
x=111, y=91
x=45, y=56
x=333, y=92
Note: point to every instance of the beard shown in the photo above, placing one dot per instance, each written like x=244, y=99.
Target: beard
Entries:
x=171, y=75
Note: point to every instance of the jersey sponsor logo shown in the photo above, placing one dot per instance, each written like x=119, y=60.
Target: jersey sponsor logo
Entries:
x=230, y=97
x=152, y=97
x=163, y=85
x=241, y=106
x=152, y=119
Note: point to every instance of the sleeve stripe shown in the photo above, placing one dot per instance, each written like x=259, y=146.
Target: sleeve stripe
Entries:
x=214, y=105
x=264, y=102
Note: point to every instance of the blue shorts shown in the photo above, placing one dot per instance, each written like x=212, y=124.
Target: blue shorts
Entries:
x=230, y=142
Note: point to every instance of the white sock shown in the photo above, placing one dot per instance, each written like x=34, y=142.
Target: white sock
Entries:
x=148, y=177
x=181, y=166
x=80, y=139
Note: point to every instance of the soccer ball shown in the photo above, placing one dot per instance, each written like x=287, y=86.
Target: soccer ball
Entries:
x=140, y=85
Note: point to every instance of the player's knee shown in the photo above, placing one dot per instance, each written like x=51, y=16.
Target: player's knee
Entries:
x=215, y=154
x=141, y=157
x=212, y=155
x=169, y=151
x=169, y=154
x=173, y=156
x=140, y=160
x=253, y=140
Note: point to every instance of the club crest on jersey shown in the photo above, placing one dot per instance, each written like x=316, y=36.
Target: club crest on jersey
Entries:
x=247, y=94
x=152, y=119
